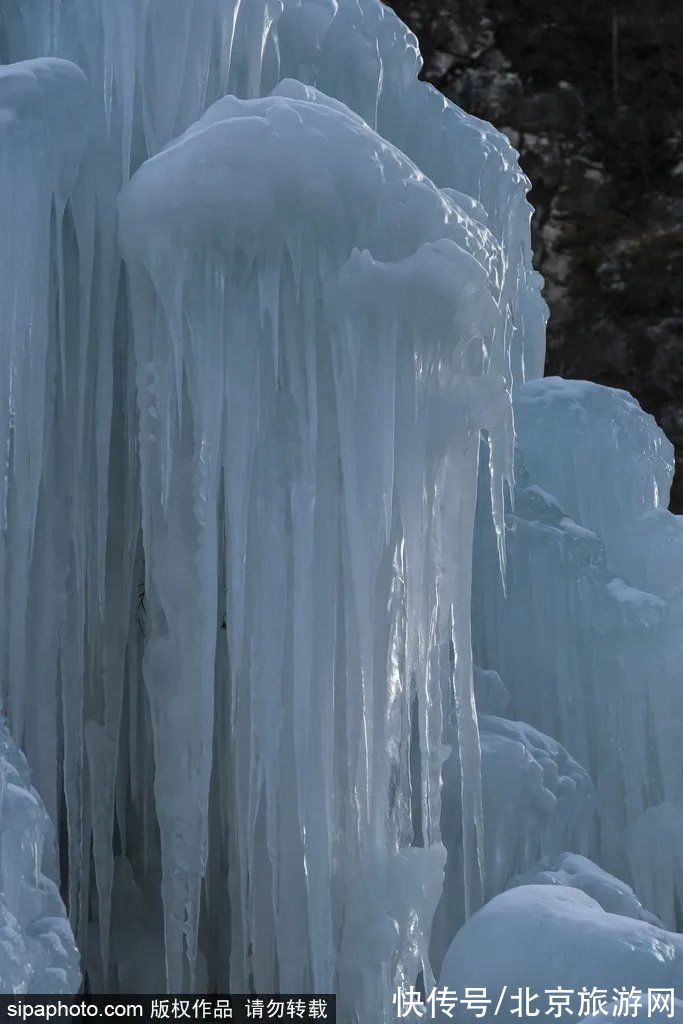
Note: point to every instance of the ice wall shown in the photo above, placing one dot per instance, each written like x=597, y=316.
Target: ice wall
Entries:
x=259, y=504
x=310, y=316
x=158, y=64
x=241, y=475
x=588, y=638
x=41, y=145
x=51, y=380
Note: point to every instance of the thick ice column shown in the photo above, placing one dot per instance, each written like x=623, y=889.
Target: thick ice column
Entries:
x=65, y=641
x=40, y=149
x=44, y=124
x=312, y=318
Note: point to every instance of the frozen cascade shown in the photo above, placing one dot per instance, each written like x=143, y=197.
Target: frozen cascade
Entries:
x=251, y=480
x=54, y=376
x=39, y=164
x=588, y=638
x=356, y=466
x=264, y=465
x=158, y=64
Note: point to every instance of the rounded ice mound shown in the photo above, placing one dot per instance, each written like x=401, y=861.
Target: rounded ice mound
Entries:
x=542, y=937
x=593, y=448
x=272, y=171
x=578, y=872
x=47, y=91
x=37, y=950
x=536, y=797
x=537, y=800
x=45, y=106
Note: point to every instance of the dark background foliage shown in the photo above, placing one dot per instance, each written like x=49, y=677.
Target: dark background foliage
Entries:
x=590, y=93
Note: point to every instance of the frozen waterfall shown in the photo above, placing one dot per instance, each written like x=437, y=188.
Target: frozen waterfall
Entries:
x=279, y=467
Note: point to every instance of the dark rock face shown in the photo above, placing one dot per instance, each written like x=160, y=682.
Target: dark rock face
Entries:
x=590, y=94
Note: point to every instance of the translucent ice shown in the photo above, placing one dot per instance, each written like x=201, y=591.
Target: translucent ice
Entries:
x=42, y=140
x=305, y=301
x=238, y=556
x=52, y=380
x=341, y=298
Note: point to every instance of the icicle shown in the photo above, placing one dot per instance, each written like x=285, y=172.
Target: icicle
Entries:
x=311, y=370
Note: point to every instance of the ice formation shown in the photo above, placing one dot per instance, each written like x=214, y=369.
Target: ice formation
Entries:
x=578, y=872
x=277, y=459
x=587, y=635
x=310, y=303
x=37, y=949
x=320, y=315
x=544, y=937
x=537, y=802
